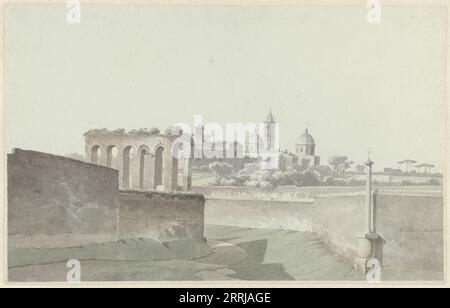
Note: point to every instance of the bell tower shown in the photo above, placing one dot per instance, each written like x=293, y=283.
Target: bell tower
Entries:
x=269, y=131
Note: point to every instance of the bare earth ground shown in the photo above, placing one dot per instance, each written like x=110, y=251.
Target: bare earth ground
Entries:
x=232, y=253
x=236, y=253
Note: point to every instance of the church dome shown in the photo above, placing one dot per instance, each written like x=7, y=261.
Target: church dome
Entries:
x=306, y=139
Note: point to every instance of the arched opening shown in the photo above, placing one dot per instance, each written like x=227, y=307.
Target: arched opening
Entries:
x=127, y=155
x=159, y=163
x=143, y=153
x=95, y=154
x=111, y=155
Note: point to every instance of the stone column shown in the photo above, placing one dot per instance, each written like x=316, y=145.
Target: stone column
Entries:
x=187, y=174
x=135, y=169
x=119, y=161
x=149, y=164
x=103, y=159
x=369, y=223
x=175, y=173
x=167, y=171
x=370, y=243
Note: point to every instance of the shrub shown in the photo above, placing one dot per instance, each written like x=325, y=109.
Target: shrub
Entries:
x=141, y=131
x=119, y=131
x=222, y=170
x=228, y=182
x=154, y=131
x=252, y=184
x=266, y=185
x=310, y=178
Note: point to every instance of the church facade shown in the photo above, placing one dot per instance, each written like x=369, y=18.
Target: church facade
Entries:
x=252, y=149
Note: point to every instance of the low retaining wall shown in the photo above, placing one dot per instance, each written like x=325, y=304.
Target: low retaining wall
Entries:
x=161, y=216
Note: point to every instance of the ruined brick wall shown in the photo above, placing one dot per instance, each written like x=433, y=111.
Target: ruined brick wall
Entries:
x=57, y=201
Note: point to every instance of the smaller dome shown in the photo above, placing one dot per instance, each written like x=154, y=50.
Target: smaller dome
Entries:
x=306, y=139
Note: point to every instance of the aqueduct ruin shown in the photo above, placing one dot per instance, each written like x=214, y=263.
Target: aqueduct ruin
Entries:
x=145, y=161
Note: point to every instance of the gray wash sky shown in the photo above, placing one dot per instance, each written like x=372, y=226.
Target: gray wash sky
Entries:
x=353, y=84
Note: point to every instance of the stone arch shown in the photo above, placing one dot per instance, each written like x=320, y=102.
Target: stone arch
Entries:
x=159, y=166
x=111, y=155
x=143, y=152
x=126, y=170
x=95, y=154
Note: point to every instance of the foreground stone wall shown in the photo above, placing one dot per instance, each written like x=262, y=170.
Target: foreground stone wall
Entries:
x=413, y=227
x=56, y=201
x=161, y=216
x=338, y=219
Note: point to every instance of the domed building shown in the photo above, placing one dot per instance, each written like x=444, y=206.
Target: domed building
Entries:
x=306, y=150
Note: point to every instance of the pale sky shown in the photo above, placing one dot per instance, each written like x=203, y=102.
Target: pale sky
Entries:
x=354, y=85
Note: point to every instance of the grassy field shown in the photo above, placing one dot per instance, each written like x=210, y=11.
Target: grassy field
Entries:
x=201, y=178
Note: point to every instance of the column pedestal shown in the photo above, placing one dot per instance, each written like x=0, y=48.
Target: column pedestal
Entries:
x=370, y=246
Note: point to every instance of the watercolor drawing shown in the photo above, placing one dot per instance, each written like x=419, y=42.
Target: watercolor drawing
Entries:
x=214, y=143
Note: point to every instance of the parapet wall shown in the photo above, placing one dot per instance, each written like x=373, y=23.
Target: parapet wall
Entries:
x=410, y=223
x=287, y=208
x=286, y=194
x=260, y=214
x=55, y=201
x=161, y=216
x=338, y=219
x=413, y=228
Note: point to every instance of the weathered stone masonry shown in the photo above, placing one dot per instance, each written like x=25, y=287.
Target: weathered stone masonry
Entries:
x=145, y=161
